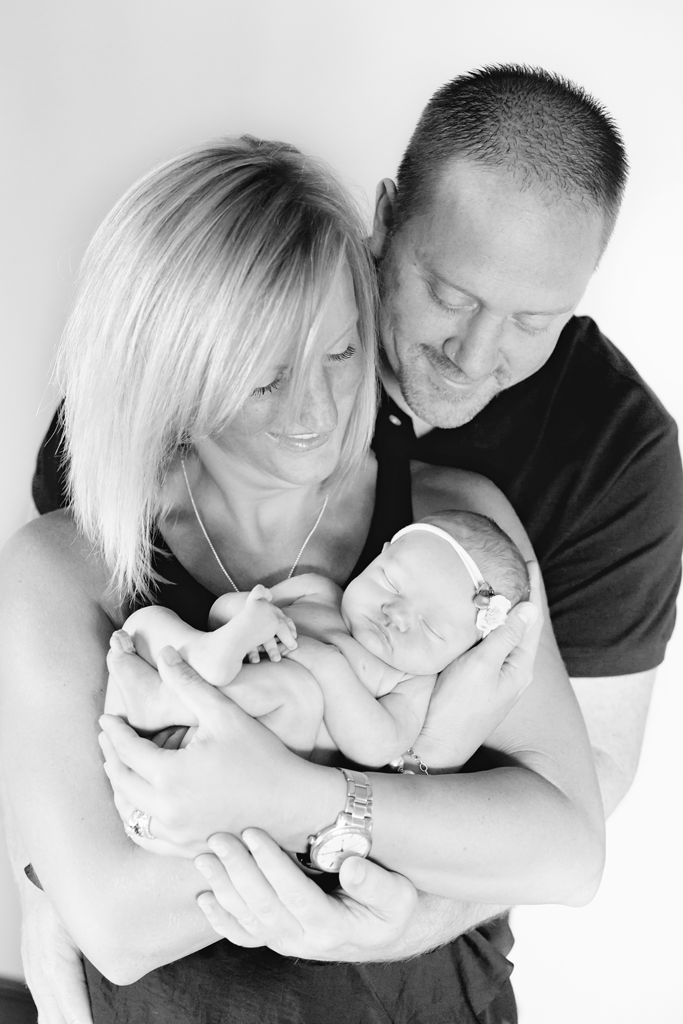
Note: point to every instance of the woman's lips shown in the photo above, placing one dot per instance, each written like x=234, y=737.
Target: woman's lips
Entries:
x=299, y=442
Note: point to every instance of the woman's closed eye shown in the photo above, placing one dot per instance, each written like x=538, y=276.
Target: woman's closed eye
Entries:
x=277, y=383
x=349, y=351
x=269, y=388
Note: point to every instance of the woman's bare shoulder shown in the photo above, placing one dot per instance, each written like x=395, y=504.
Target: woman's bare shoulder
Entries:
x=50, y=561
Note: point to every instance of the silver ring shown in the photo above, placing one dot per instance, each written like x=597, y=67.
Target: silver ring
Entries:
x=138, y=825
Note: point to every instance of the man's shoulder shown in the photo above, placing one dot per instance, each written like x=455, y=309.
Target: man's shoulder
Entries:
x=586, y=360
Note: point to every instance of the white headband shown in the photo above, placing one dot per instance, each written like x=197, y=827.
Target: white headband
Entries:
x=492, y=609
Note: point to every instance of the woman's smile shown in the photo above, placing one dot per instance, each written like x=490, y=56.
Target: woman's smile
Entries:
x=299, y=442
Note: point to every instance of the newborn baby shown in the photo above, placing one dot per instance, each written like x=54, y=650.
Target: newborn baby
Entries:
x=374, y=650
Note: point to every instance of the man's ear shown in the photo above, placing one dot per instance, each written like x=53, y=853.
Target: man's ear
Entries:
x=385, y=216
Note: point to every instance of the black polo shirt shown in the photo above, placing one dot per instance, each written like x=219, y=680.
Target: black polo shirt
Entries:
x=589, y=459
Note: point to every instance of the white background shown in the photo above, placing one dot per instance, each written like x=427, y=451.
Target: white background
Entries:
x=94, y=93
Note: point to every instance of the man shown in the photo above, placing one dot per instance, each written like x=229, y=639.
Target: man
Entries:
x=505, y=201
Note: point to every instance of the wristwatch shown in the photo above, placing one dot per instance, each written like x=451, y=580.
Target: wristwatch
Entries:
x=351, y=834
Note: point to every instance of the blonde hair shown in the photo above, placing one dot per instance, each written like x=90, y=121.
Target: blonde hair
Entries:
x=206, y=267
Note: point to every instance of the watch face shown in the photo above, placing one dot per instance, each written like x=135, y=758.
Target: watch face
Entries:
x=335, y=847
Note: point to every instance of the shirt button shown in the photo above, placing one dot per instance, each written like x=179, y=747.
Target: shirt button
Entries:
x=395, y=420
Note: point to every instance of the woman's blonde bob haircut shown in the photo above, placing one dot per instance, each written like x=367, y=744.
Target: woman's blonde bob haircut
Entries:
x=207, y=266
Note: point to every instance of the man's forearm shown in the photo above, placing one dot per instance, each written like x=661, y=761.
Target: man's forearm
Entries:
x=438, y=920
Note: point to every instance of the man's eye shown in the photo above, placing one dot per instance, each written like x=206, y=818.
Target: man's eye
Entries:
x=268, y=388
x=447, y=305
x=346, y=354
x=537, y=328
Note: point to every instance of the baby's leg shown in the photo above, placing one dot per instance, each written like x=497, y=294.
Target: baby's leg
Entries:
x=284, y=697
x=155, y=627
x=149, y=705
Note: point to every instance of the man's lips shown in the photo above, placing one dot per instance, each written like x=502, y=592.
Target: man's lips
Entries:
x=299, y=442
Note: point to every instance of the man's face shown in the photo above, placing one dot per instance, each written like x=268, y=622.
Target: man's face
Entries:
x=477, y=288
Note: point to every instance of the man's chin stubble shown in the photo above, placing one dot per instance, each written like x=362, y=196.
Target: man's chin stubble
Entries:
x=445, y=409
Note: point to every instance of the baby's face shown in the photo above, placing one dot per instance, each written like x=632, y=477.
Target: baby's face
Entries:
x=413, y=606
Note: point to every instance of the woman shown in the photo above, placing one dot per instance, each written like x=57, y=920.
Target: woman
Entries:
x=218, y=373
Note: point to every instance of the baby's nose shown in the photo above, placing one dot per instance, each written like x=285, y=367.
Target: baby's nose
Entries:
x=398, y=615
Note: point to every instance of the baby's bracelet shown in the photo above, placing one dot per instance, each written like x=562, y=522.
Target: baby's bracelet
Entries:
x=399, y=764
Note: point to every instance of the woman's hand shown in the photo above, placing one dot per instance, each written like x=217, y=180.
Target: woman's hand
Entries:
x=474, y=694
x=234, y=773
x=259, y=897
x=52, y=962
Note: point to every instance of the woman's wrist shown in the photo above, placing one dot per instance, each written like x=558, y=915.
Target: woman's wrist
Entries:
x=318, y=796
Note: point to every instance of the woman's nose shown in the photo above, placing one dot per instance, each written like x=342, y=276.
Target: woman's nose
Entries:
x=318, y=412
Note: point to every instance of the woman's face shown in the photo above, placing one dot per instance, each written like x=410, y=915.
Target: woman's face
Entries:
x=309, y=449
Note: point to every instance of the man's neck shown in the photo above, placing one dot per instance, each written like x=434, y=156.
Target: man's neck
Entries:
x=393, y=389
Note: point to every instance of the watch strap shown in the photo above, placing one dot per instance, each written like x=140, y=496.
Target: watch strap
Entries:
x=358, y=808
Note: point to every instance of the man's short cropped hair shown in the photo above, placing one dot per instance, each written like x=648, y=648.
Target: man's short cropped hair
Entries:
x=545, y=130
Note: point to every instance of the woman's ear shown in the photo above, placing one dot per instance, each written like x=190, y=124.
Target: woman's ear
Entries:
x=385, y=216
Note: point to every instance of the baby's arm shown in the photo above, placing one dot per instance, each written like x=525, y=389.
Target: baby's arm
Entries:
x=368, y=730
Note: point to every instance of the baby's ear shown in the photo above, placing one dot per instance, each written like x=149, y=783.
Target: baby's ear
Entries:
x=385, y=546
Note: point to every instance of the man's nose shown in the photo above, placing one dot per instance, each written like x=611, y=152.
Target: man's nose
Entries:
x=475, y=348
x=318, y=411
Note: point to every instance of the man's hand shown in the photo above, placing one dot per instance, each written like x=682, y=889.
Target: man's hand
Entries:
x=474, y=694
x=52, y=963
x=260, y=897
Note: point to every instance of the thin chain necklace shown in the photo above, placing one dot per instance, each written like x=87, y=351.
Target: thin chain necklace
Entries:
x=215, y=553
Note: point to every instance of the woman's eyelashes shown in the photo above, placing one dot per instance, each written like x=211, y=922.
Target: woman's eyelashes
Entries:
x=268, y=388
x=274, y=385
x=349, y=351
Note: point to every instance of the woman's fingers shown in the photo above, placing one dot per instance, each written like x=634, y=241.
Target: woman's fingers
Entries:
x=130, y=670
x=200, y=697
x=122, y=746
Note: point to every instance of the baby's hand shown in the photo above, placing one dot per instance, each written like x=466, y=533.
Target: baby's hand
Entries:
x=265, y=624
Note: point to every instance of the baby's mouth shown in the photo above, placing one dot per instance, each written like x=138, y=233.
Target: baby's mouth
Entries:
x=382, y=630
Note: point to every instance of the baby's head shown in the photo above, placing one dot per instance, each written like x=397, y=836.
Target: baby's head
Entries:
x=414, y=606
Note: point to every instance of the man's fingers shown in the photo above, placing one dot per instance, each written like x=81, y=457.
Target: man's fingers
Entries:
x=383, y=892
x=72, y=995
x=295, y=890
x=502, y=640
x=223, y=923
x=242, y=888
